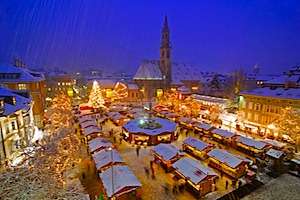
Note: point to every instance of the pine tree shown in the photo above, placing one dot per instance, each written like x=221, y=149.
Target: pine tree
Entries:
x=120, y=91
x=214, y=86
x=96, y=100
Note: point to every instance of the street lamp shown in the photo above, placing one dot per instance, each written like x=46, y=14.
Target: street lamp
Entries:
x=112, y=171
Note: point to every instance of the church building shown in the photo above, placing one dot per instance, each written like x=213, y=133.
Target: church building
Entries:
x=154, y=77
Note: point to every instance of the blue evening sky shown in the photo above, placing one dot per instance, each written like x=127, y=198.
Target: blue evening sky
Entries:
x=111, y=35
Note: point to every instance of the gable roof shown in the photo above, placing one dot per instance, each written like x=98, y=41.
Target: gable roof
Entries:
x=26, y=75
x=21, y=102
x=149, y=70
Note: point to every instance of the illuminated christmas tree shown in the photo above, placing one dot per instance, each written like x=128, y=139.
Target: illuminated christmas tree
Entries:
x=60, y=112
x=288, y=123
x=120, y=91
x=96, y=100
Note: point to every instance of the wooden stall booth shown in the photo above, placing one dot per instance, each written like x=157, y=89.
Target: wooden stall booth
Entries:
x=167, y=154
x=222, y=136
x=186, y=122
x=200, y=180
x=92, y=133
x=123, y=184
x=250, y=146
x=196, y=147
x=202, y=128
x=228, y=163
x=117, y=118
x=98, y=144
x=274, y=143
x=276, y=156
x=104, y=159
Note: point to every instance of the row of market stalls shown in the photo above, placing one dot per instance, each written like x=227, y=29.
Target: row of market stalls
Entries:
x=197, y=178
x=116, y=177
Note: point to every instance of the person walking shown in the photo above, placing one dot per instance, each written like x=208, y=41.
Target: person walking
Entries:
x=226, y=184
x=151, y=163
x=147, y=171
x=138, y=151
x=152, y=173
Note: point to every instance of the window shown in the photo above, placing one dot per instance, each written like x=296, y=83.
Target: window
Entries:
x=168, y=54
x=13, y=125
x=22, y=86
x=256, y=117
x=37, y=86
x=163, y=53
x=249, y=116
x=7, y=128
x=250, y=106
x=49, y=89
x=257, y=106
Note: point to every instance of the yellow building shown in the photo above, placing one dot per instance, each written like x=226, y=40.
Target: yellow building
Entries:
x=28, y=83
x=57, y=82
x=260, y=107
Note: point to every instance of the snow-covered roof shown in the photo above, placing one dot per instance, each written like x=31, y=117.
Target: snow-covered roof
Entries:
x=274, y=143
x=197, y=144
x=228, y=159
x=91, y=130
x=132, y=86
x=149, y=70
x=21, y=102
x=167, y=151
x=202, y=126
x=99, y=143
x=104, y=158
x=25, y=74
x=185, y=71
x=124, y=180
x=280, y=93
x=116, y=116
x=102, y=82
x=251, y=142
x=89, y=123
x=194, y=170
x=274, y=153
x=209, y=99
x=282, y=79
x=167, y=126
x=223, y=133
x=85, y=118
x=186, y=120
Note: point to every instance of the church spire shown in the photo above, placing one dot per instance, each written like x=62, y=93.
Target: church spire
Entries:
x=166, y=26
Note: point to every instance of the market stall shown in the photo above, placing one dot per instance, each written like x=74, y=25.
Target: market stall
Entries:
x=276, y=156
x=98, y=144
x=120, y=182
x=166, y=154
x=196, y=147
x=274, y=143
x=200, y=180
x=228, y=163
x=250, y=146
x=172, y=116
x=186, y=122
x=90, y=123
x=222, y=136
x=203, y=128
x=117, y=118
x=104, y=158
x=92, y=133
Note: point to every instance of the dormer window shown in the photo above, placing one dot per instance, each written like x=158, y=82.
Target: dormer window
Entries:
x=22, y=86
x=1, y=103
x=14, y=100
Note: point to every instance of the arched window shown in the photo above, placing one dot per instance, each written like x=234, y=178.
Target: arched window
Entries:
x=168, y=54
x=163, y=53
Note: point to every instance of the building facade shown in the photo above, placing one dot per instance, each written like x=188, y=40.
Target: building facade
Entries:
x=260, y=107
x=16, y=124
x=28, y=83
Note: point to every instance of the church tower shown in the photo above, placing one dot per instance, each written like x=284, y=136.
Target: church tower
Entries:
x=165, y=54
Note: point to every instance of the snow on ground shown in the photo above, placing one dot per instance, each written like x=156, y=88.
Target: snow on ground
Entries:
x=283, y=187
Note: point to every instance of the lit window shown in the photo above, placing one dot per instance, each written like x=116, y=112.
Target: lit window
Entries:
x=58, y=83
x=63, y=83
x=22, y=86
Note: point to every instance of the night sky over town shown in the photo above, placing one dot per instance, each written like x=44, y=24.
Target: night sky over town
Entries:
x=217, y=35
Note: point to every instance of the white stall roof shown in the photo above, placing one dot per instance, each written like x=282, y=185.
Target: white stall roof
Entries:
x=197, y=144
x=167, y=151
x=186, y=120
x=124, y=180
x=99, y=143
x=228, y=159
x=274, y=143
x=202, y=126
x=193, y=170
x=104, y=158
x=166, y=126
x=87, y=124
x=223, y=133
x=91, y=130
x=274, y=153
x=85, y=118
x=251, y=142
